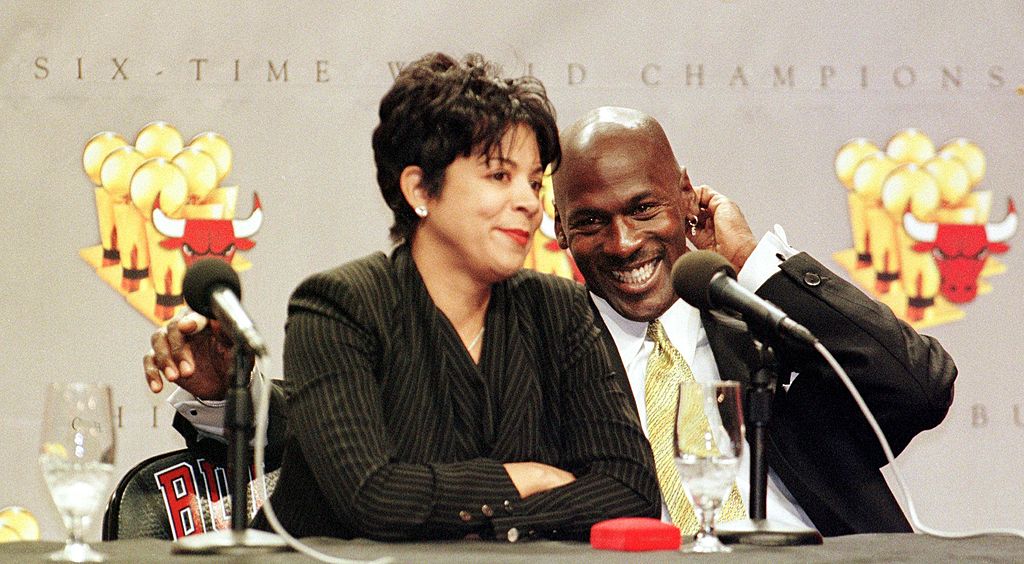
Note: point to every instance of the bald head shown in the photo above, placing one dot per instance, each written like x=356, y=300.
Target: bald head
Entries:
x=616, y=133
x=620, y=205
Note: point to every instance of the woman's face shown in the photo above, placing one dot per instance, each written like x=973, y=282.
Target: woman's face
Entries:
x=488, y=208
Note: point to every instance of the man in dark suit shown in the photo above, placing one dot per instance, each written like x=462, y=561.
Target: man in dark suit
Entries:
x=627, y=211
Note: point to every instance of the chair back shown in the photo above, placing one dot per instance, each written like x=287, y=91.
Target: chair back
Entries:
x=176, y=494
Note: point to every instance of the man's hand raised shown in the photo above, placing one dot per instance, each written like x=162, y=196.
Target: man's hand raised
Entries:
x=192, y=352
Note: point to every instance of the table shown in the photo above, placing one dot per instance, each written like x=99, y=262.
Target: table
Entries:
x=860, y=548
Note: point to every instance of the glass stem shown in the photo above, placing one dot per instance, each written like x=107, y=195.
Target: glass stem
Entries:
x=707, y=521
x=76, y=533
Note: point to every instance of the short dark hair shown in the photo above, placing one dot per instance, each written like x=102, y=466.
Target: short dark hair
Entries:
x=439, y=109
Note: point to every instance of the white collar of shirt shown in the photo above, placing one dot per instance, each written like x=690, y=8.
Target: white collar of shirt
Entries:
x=681, y=322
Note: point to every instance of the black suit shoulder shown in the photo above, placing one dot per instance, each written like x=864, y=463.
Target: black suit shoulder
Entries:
x=351, y=287
x=559, y=307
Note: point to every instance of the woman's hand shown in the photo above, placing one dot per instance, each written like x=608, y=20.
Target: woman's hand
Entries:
x=535, y=477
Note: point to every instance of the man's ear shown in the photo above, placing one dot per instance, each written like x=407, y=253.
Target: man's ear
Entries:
x=563, y=243
x=686, y=191
x=684, y=180
x=411, y=183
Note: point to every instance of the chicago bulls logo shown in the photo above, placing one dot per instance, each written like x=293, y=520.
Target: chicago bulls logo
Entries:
x=922, y=240
x=161, y=205
x=192, y=509
x=960, y=250
x=208, y=238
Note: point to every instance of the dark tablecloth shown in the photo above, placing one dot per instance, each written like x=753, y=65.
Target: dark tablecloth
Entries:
x=854, y=548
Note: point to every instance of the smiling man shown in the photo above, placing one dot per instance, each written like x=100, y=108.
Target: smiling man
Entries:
x=626, y=209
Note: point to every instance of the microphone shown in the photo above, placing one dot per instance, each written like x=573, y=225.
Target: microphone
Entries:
x=707, y=281
x=211, y=288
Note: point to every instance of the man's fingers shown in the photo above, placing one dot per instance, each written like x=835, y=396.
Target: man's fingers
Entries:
x=161, y=356
x=156, y=383
x=179, y=351
x=191, y=322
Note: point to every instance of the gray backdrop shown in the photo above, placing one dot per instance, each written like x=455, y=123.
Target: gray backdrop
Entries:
x=71, y=69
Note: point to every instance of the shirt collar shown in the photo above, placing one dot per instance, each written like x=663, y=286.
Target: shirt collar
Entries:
x=682, y=325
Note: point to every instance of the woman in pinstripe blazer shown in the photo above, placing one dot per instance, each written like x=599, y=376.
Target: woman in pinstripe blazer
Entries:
x=442, y=391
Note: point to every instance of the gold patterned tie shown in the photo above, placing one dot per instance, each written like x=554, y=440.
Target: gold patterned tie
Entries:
x=666, y=369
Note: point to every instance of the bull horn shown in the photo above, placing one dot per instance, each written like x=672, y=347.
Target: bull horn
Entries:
x=999, y=232
x=245, y=228
x=167, y=226
x=922, y=231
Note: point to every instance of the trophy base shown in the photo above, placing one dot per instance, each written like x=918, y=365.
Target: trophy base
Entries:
x=230, y=542
x=761, y=532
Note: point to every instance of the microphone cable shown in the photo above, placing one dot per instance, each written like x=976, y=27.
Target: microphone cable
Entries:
x=260, y=440
x=915, y=520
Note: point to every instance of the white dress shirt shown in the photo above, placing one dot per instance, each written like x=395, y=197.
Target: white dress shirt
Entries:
x=686, y=332
x=207, y=416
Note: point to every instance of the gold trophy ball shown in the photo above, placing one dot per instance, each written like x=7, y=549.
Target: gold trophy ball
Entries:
x=910, y=146
x=117, y=170
x=159, y=139
x=952, y=176
x=870, y=174
x=849, y=156
x=18, y=524
x=97, y=149
x=969, y=154
x=200, y=172
x=910, y=187
x=158, y=177
x=217, y=147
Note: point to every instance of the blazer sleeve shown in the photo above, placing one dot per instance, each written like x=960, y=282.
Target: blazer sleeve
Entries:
x=906, y=378
x=602, y=442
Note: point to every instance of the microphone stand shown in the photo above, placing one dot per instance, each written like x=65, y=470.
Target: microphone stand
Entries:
x=238, y=425
x=758, y=530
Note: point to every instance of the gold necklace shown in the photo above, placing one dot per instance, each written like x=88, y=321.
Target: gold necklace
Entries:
x=475, y=340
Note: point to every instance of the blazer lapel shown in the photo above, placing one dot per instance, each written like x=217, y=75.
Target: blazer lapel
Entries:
x=460, y=387
x=734, y=350
x=613, y=355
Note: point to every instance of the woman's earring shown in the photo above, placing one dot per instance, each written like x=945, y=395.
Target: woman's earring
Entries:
x=692, y=223
x=421, y=211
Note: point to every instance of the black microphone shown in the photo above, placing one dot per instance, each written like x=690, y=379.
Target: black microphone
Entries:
x=707, y=281
x=211, y=288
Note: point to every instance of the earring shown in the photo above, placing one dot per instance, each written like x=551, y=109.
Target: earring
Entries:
x=421, y=211
x=692, y=223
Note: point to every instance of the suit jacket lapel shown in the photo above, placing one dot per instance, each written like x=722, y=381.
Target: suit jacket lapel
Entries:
x=515, y=402
x=613, y=354
x=735, y=353
x=453, y=372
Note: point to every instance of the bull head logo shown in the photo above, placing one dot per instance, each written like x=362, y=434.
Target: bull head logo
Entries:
x=208, y=238
x=960, y=250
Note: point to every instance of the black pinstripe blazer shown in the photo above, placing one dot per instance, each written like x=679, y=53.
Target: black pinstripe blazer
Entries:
x=818, y=442
x=394, y=432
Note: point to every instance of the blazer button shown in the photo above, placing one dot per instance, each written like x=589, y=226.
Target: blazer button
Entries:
x=513, y=534
x=465, y=516
x=508, y=506
x=486, y=510
x=812, y=279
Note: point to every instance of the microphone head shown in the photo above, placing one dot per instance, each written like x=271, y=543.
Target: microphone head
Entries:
x=201, y=279
x=692, y=275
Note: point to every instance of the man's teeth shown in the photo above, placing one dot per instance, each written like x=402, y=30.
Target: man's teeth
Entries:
x=636, y=275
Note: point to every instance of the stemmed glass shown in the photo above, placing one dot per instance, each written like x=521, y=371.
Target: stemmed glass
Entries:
x=76, y=455
x=708, y=444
